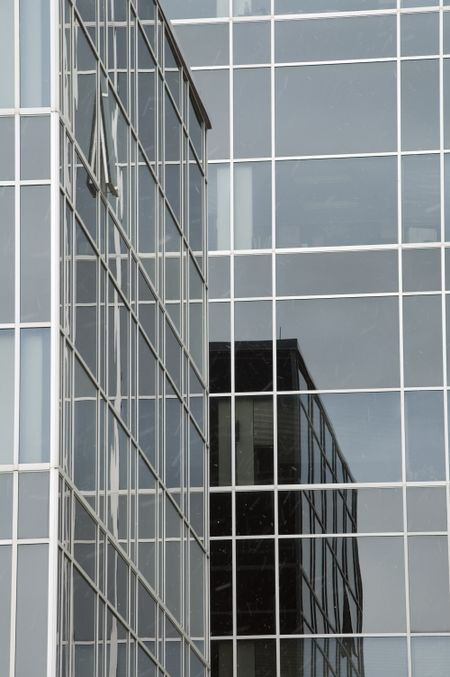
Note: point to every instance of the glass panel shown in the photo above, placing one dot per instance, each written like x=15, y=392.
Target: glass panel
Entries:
x=220, y=514
x=339, y=438
x=6, y=505
x=256, y=658
x=218, y=206
x=252, y=205
x=221, y=588
x=5, y=607
x=336, y=273
x=430, y=653
x=219, y=347
x=86, y=85
x=252, y=136
x=254, y=513
x=34, y=53
x=33, y=505
x=7, y=54
x=348, y=108
x=35, y=253
x=422, y=347
x=7, y=234
x=204, y=45
x=252, y=276
x=34, y=396
x=421, y=269
x=421, y=208
x=249, y=7
x=428, y=580
x=34, y=147
x=251, y=42
x=220, y=442
x=420, y=34
x=7, y=163
x=214, y=89
x=255, y=587
x=219, y=277
x=335, y=39
x=310, y=6
x=222, y=658
x=32, y=604
x=420, y=105
x=338, y=343
x=427, y=509
x=254, y=440
x=424, y=419
x=7, y=396
x=253, y=346
x=194, y=9
x=349, y=201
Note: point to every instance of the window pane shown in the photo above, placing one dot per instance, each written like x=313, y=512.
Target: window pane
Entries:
x=252, y=205
x=347, y=108
x=421, y=269
x=420, y=105
x=5, y=607
x=252, y=276
x=214, y=89
x=204, y=45
x=220, y=442
x=7, y=163
x=194, y=9
x=7, y=396
x=221, y=588
x=33, y=505
x=34, y=396
x=7, y=53
x=254, y=513
x=32, y=605
x=35, y=253
x=420, y=34
x=422, y=340
x=310, y=6
x=430, y=654
x=34, y=147
x=338, y=343
x=256, y=658
x=7, y=233
x=218, y=206
x=429, y=591
x=34, y=53
x=255, y=587
x=348, y=201
x=252, y=113
x=250, y=7
x=421, y=208
x=424, y=418
x=254, y=440
x=6, y=505
x=251, y=42
x=427, y=508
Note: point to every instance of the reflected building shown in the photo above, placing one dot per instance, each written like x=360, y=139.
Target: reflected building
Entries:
x=103, y=435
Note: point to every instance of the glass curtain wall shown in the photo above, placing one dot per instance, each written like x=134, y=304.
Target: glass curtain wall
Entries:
x=328, y=287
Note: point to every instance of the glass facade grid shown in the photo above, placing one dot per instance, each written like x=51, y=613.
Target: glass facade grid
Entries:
x=312, y=441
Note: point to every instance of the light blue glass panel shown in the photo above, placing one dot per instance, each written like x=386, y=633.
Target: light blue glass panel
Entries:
x=34, y=396
x=6, y=395
x=7, y=54
x=34, y=53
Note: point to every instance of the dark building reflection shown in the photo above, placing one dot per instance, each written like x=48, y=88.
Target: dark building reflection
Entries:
x=319, y=579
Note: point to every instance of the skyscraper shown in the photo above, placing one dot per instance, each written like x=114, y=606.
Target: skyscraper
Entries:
x=103, y=564
x=328, y=224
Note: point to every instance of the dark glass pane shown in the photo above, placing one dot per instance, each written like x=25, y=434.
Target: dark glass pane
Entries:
x=221, y=588
x=256, y=658
x=254, y=513
x=220, y=441
x=254, y=440
x=255, y=587
x=221, y=658
x=220, y=514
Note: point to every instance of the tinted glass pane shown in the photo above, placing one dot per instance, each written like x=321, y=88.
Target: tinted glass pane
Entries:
x=421, y=269
x=218, y=206
x=421, y=209
x=255, y=587
x=221, y=588
x=35, y=147
x=420, y=105
x=339, y=343
x=424, y=418
x=429, y=591
x=6, y=506
x=204, y=45
x=342, y=109
x=430, y=653
x=35, y=253
x=254, y=440
x=252, y=113
x=419, y=34
x=422, y=346
x=7, y=54
x=252, y=205
x=219, y=347
x=427, y=509
x=219, y=277
x=34, y=396
x=33, y=505
x=7, y=231
x=251, y=42
x=193, y=9
x=309, y=6
x=220, y=441
x=252, y=276
x=249, y=7
x=7, y=163
x=335, y=39
x=214, y=90
x=336, y=202
x=5, y=607
x=254, y=513
x=256, y=658
x=34, y=53
x=220, y=520
x=7, y=396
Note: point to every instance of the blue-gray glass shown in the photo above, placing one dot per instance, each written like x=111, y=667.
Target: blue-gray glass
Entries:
x=219, y=277
x=342, y=108
x=255, y=587
x=318, y=6
x=424, y=436
x=446, y=98
x=252, y=276
x=204, y=44
x=253, y=321
x=214, y=89
x=335, y=39
x=446, y=32
x=349, y=201
x=6, y=506
x=421, y=207
x=195, y=9
x=218, y=207
x=427, y=508
x=7, y=42
x=34, y=147
x=372, y=657
x=7, y=258
x=252, y=205
x=33, y=517
x=7, y=163
x=7, y=395
x=252, y=113
x=419, y=34
x=355, y=565
x=421, y=269
x=34, y=434
x=420, y=104
x=31, y=610
x=34, y=20
x=256, y=657
x=250, y=7
x=428, y=583
x=336, y=273
x=251, y=42
x=5, y=608
x=338, y=343
x=360, y=441
x=35, y=254
x=422, y=342
x=254, y=439
x=430, y=653
x=420, y=3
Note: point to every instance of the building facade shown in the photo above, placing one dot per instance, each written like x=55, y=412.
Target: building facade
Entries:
x=103, y=476
x=329, y=271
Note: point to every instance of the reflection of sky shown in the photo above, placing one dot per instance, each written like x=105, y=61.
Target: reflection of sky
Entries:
x=367, y=430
